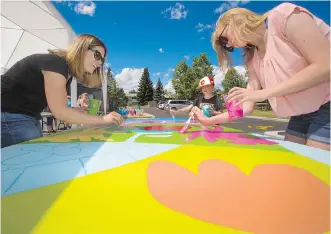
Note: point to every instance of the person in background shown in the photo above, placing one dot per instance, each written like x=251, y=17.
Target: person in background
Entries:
x=39, y=80
x=287, y=52
x=205, y=98
x=83, y=101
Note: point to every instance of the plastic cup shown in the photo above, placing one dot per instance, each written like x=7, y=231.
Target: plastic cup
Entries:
x=235, y=112
x=206, y=111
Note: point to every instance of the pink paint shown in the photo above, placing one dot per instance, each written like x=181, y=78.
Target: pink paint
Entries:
x=213, y=135
x=234, y=112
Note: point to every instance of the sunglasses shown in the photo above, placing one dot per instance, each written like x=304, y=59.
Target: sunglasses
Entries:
x=224, y=41
x=97, y=55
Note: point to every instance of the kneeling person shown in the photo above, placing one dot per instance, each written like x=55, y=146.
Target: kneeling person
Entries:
x=205, y=98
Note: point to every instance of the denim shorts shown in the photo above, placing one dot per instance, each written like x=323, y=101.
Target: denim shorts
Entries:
x=314, y=126
x=17, y=128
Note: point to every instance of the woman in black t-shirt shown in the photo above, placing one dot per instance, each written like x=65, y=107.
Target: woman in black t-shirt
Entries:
x=39, y=80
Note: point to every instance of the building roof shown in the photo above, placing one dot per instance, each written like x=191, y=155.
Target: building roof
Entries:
x=29, y=27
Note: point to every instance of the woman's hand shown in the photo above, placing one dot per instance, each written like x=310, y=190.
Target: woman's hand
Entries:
x=113, y=117
x=246, y=95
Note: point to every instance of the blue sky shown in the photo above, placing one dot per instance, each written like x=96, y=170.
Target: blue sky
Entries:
x=158, y=35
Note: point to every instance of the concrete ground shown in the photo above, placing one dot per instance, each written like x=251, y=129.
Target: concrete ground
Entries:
x=265, y=126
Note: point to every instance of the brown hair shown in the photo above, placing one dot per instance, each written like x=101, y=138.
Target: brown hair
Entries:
x=242, y=22
x=75, y=56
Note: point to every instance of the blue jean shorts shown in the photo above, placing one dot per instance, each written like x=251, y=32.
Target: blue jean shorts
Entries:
x=313, y=126
x=17, y=128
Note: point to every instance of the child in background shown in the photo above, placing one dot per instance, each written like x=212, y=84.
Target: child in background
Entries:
x=205, y=98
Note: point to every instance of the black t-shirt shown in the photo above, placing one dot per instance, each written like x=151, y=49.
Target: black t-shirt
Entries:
x=22, y=86
x=213, y=102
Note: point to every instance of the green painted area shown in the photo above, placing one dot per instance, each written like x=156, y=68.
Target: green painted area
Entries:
x=177, y=138
x=86, y=134
x=195, y=135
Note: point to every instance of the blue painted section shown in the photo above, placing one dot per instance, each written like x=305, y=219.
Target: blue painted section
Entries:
x=35, y=165
x=35, y=177
x=319, y=155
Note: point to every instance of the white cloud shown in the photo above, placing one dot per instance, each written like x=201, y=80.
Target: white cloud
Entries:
x=85, y=8
x=169, y=87
x=228, y=5
x=156, y=74
x=219, y=74
x=177, y=12
x=161, y=50
x=187, y=57
x=129, y=78
x=202, y=27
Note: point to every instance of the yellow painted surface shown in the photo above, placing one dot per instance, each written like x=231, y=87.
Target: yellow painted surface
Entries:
x=118, y=201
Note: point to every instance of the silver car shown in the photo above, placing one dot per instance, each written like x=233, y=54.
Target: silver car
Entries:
x=176, y=104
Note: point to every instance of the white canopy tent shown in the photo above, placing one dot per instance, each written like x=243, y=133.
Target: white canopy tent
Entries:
x=29, y=27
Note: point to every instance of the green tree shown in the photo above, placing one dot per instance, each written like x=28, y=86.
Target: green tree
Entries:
x=122, y=98
x=112, y=90
x=233, y=79
x=201, y=66
x=182, y=80
x=186, y=79
x=145, y=88
x=159, y=91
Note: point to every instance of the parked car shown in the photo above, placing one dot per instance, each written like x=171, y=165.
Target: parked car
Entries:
x=160, y=105
x=176, y=104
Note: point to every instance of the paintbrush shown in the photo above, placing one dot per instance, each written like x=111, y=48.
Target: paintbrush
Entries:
x=173, y=117
x=187, y=124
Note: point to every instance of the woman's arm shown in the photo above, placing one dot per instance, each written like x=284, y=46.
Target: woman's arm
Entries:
x=248, y=107
x=314, y=46
x=56, y=95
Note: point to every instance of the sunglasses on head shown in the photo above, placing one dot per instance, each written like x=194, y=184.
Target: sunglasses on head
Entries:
x=224, y=41
x=97, y=54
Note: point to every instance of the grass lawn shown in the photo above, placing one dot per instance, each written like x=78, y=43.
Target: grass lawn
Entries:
x=268, y=114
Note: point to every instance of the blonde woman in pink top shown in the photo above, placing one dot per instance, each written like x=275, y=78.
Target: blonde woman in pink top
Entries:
x=287, y=52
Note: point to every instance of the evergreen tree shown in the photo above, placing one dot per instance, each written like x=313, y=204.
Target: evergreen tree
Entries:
x=150, y=90
x=159, y=91
x=145, y=88
x=112, y=90
x=122, y=98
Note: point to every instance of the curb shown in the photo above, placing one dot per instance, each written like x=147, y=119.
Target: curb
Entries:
x=266, y=118
x=275, y=134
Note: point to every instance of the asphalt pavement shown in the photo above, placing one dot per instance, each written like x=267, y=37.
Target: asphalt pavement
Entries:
x=274, y=128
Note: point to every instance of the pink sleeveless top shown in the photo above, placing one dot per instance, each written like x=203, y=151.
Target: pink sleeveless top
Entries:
x=283, y=60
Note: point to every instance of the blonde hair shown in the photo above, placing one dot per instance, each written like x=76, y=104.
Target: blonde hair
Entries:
x=83, y=95
x=75, y=57
x=243, y=23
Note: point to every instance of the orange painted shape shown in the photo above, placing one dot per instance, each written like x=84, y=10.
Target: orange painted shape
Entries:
x=273, y=199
